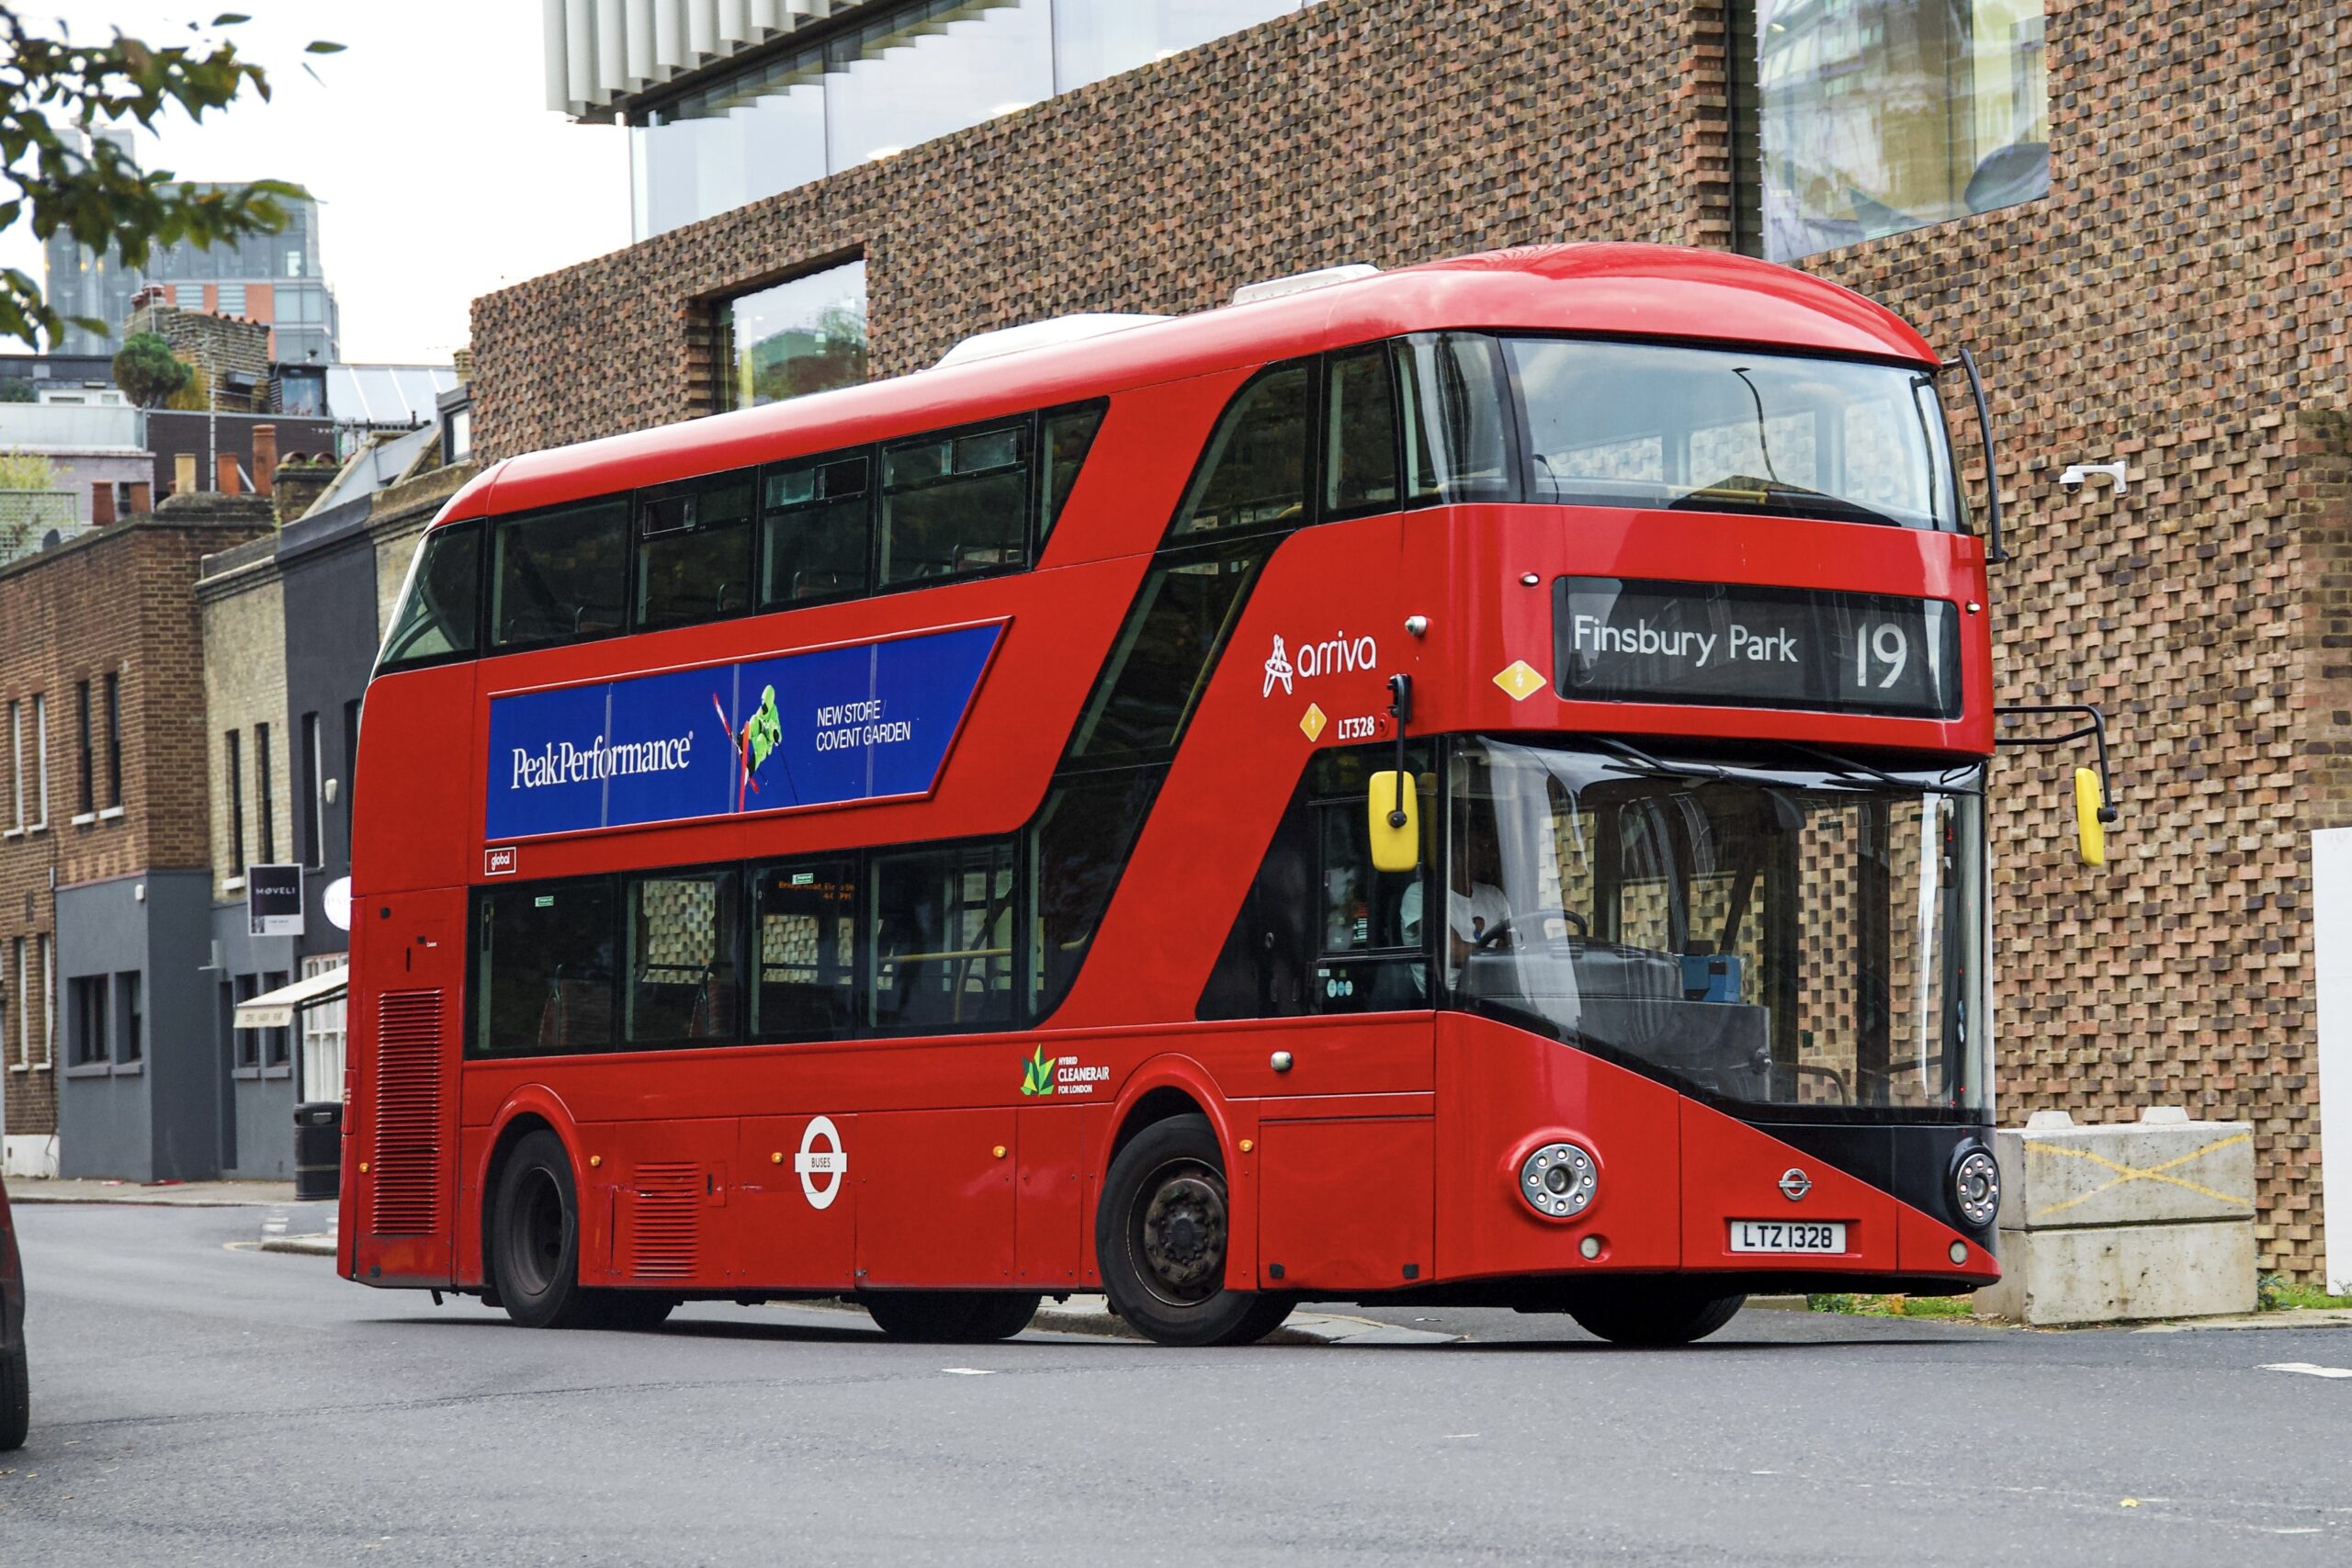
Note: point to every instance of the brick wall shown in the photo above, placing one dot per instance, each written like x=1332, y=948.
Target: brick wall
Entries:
x=63, y=621
x=2178, y=301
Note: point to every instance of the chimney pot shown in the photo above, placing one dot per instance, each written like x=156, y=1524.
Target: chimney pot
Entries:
x=225, y=479
x=265, y=452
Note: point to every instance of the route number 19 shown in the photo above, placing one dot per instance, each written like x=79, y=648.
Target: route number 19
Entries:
x=1879, y=647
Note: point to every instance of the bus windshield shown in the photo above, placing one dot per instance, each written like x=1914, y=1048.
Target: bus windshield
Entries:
x=1726, y=430
x=1801, y=937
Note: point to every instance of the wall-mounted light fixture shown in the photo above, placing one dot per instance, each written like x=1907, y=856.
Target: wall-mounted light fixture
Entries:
x=2080, y=474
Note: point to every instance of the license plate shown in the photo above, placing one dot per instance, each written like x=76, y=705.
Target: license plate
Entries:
x=1788, y=1235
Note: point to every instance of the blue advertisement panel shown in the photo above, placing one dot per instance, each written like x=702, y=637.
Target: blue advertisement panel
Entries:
x=820, y=729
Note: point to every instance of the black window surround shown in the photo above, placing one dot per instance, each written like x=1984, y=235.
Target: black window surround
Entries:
x=655, y=515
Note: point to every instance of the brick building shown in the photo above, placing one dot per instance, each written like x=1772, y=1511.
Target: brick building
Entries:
x=2133, y=213
x=102, y=852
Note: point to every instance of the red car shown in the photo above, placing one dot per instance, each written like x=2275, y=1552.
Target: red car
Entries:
x=16, y=1385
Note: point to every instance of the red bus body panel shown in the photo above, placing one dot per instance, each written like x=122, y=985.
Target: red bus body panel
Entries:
x=1386, y=1155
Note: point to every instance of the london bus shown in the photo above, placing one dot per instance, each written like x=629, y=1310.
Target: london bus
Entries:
x=1463, y=784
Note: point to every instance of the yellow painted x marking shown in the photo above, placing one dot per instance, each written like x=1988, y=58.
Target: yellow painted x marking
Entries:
x=2133, y=1173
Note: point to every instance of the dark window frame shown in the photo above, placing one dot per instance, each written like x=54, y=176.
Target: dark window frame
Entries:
x=505, y=523
x=881, y=490
x=236, y=769
x=93, y=1044
x=625, y=957
x=268, y=793
x=643, y=503
x=114, y=740
x=870, y=455
x=132, y=1011
x=86, y=751
x=478, y=527
x=312, y=845
x=277, y=1043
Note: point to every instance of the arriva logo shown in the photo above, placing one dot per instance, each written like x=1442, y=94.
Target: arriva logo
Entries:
x=1337, y=655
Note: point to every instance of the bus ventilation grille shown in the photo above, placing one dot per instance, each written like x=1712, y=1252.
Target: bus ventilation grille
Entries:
x=665, y=1206
x=408, y=1114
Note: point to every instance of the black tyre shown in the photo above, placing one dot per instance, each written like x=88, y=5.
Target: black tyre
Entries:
x=16, y=1398
x=1159, y=1239
x=1654, y=1313
x=629, y=1311
x=533, y=1251
x=950, y=1317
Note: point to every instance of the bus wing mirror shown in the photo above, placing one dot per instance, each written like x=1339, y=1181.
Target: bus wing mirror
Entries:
x=2094, y=787
x=1393, y=811
x=2090, y=810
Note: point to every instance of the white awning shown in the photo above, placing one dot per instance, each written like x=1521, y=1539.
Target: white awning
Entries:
x=276, y=1009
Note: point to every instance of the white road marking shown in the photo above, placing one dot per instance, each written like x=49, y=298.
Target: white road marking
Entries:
x=2306, y=1368
x=969, y=1371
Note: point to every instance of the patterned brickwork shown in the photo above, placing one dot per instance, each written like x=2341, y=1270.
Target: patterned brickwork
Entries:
x=2178, y=301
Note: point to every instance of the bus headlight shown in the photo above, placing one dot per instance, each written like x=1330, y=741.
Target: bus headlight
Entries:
x=1558, y=1180
x=1976, y=1187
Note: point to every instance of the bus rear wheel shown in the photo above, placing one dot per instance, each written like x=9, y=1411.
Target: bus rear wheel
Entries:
x=950, y=1317
x=532, y=1253
x=1159, y=1239
x=1653, y=1313
x=16, y=1397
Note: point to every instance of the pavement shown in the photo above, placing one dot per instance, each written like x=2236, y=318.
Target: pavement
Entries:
x=197, y=1399
x=167, y=1194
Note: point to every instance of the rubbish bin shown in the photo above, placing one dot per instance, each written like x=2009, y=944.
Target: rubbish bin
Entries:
x=318, y=1149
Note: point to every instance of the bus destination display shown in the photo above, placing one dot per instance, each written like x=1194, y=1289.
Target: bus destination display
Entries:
x=1736, y=644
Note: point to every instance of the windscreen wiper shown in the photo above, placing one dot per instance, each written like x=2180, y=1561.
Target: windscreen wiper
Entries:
x=1852, y=767
x=1657, y=767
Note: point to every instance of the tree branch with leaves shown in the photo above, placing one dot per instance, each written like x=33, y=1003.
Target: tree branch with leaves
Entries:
x=57, y=174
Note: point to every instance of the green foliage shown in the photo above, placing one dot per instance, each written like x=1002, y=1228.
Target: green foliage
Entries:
x=27, y=470
x=52, y=91
x=16, y=390
x=2275, y=1293
x=1892, y=1306
x=148, y=371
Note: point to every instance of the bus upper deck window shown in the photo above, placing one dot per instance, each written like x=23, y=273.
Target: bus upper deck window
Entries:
x=1254, y=472
x=1451, y=404
x=813, y=528
x=1359, y=434
x=693, y=557
x=560, y=575
x=437, y=613
x=954, y=505
x=1068, y=435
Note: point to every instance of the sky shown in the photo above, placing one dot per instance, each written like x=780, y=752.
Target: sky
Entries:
x=439, y=174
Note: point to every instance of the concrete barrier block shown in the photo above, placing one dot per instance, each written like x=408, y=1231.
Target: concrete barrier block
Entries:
x=2118, y=1273
x=2129, y=1174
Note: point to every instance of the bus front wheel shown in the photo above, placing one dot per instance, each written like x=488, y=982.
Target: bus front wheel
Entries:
x=1653, y=1314
x=1159, y=1239
x=950, y=1317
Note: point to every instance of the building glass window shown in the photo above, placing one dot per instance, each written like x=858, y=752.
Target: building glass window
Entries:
x=324, y=1031
x=912, y=71
x=805, y=335
x=91, y=1047
x=277, y=1048
x=134, y=1018
x=16, y=765
x=915, y=75
x=85, y=751
x=247, y=987
x=47, y=1001
x=232, y=297
x=40, y=760
x=114, y=741
x=23, y=992
x=262, y=771
x=314, y=805
x=1879, y=116
x=236, y=803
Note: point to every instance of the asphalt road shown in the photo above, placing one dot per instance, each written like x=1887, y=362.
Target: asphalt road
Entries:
x=196, y=1401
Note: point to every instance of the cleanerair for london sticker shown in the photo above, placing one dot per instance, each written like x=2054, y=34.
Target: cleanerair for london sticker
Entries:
x=827, y=727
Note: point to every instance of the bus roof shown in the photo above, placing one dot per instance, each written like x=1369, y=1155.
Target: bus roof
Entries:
x=1616, y=290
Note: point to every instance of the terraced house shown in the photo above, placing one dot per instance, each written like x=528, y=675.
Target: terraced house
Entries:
x=2133, y=213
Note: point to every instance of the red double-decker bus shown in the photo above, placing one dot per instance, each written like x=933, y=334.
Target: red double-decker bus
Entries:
x=1463, y=784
